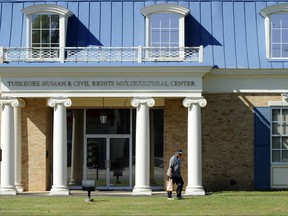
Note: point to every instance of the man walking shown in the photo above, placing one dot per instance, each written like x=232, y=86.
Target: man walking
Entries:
x=174, y=172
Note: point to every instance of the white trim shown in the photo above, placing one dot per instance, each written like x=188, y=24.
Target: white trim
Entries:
x=274, y=9
x=63, y=13
x=47, y=8
x=162, y=8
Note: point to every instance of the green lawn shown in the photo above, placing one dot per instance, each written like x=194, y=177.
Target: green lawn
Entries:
x=221, y=203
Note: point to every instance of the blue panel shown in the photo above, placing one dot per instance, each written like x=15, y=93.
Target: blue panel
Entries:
x=94, y=23
x=5, y=30
x=127, y=24
x=229, y=36
x=72, y=28
x=139, y=25
x=16, y=32
x=105, y=27
x=83, y=25
x=251, y=32
x=262, y=148
x=240, y=35
x=117, y=20
x=206, y=37
x=217, y=29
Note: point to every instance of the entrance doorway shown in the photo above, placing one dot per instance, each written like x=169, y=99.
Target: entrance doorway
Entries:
x=108, y=160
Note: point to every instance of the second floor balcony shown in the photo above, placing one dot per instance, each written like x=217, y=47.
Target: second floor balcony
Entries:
x=101, y=54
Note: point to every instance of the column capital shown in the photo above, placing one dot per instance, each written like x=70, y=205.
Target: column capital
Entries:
x=187, y=102
x=14, y=102
x=136, y=101
x=59, y=100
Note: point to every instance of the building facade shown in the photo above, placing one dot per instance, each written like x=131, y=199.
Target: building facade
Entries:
x=108, y=90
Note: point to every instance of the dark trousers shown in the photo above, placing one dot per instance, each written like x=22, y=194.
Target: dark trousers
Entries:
x=179, y=181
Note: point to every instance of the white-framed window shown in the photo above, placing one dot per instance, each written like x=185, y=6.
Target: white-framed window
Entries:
x=279, y=135
x=46, y=27
x=276, y=31
x=165, y=30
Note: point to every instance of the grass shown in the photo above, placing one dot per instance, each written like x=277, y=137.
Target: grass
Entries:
x=220, y=203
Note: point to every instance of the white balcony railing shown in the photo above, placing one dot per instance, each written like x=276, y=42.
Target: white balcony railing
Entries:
x=101, y=54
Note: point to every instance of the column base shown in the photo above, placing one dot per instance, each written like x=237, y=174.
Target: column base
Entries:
x=8, y=191
x=59, y=191
x=194, y=191
x=19, y=188
x=147, y=191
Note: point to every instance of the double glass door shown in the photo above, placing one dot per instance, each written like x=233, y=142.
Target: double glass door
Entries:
x=108, y=161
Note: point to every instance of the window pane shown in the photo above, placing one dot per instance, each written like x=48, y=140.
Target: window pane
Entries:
x=276, y=36
x=285, y=156
x=155, y=36
x=276, y=156
x=54, y=22
x=45, y=37
x=285, y=115
x=174, y=21
x=45, y=21
x=55, y=36
x=276, y=128
x=285, y=128
x=285, y=50
x=285, y=143
x=276, y=115
x=36, y=19
x=155, y=20
x=165, y=20
x=36, y=36
x=276, y=50
x=174, y=37
x=276, y=143
x=165, y=36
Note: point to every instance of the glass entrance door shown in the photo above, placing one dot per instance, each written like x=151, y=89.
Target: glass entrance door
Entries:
x=108, y=161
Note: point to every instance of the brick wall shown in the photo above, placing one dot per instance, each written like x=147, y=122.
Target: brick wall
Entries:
x=227, y=138
x=36, y=145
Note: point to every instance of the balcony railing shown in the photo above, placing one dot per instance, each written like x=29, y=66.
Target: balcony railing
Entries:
x=102, y=54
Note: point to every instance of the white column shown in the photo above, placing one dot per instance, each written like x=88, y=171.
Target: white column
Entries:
x=142, y=157
x=194, y=153
x=77, y=148
x=18, y=146
x=7, y=145
x=59, y=186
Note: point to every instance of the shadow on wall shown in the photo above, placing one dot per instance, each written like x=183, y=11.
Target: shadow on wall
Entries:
x=78, y=35
x=197, y=35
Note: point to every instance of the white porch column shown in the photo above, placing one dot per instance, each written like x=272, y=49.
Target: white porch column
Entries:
x=7, y=145
x=59, y=186
x=77, y=148
x=142, y=157
x=18, y=146
x=194, y=186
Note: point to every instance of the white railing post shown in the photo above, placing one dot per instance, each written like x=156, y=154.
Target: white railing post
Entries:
x=1, y=55
x=139, y=54
x=62, y=54
x=201, y=54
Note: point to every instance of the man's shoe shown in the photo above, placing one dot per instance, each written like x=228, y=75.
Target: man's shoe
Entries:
x=170, y=198
x=180, y=198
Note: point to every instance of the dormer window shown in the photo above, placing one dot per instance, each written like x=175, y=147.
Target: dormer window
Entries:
x=46, y=31
x=165, y=30
x=276, y=26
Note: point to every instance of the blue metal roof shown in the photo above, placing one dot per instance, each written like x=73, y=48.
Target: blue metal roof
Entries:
x=232, y=32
